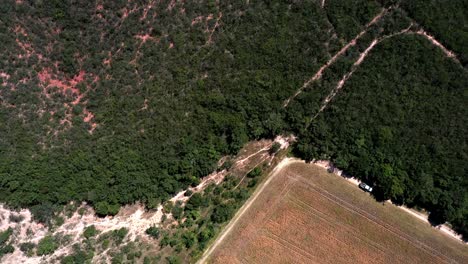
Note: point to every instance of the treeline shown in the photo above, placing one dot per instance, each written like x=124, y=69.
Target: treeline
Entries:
x=400, y=124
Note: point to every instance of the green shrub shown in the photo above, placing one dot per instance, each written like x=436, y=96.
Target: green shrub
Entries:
x=16, y=218
x=90, y=231
x=5, y=235
x=173, y=260
x=255, y=172
x=104, y=208
x=6, y=250
x=27, y=247
x=46, y=246
x=153, y=231
x=119, y=235
x=274, y=148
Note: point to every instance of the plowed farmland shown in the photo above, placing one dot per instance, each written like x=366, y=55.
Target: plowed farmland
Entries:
x=307, y=215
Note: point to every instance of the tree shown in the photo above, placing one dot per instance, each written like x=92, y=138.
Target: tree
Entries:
x=257, y=171
x=104, y=208
x=274, y=148
x=189, y=239
x=153, y=231
x=90, y=232
x=222, y=213
x=46, y=246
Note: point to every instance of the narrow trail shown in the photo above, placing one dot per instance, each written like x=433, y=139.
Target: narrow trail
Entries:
x=355, y=66
x=351, y=43
x=364, y=54
x=435, y=42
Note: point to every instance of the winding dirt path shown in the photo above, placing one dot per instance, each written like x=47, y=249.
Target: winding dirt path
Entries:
x=364, y=54
x=435, y=42
x=351, y=43
x=356, y=64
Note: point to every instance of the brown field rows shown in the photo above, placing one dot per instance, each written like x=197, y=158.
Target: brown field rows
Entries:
x=306, y=215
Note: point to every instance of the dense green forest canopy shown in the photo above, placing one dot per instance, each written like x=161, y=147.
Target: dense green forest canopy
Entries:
x=113, y=102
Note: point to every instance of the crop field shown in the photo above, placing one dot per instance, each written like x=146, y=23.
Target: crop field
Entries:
x=307, y=215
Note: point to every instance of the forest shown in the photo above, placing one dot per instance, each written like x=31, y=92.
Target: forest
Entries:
x=114, y=102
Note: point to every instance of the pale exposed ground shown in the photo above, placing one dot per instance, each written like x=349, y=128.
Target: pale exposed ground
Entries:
x=435, y=42
x=133, y=217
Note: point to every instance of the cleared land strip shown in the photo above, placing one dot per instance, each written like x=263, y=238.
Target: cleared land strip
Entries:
x=342, y=51
x=364, y=54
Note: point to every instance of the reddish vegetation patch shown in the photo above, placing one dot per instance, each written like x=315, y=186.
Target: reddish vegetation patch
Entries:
x=67, y=88
x=208, y=30
x=27, y=49
x=89, y=116
x=126, y=12
x=171, y=5
x=144, y=38
x=212, y=31
x=20, y=30
x=5, y=76
x=197, y=20
x=48, y=80
x=107, y=61
x=146, y=10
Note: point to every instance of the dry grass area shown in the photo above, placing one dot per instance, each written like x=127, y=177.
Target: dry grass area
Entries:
x=306, y=215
